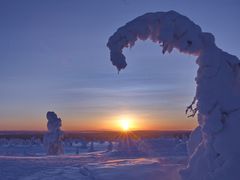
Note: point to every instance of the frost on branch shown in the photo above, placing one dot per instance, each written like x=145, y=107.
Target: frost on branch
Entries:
x=214, y=148
x=54, y=137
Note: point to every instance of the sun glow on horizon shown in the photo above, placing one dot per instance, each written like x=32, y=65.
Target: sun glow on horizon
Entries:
x=125, y=125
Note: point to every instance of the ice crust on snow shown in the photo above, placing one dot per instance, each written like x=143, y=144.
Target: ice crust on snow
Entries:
x=54, y=137
x=214, y=149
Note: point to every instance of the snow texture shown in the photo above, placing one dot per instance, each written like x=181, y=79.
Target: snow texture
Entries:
x=214, y=149
x=87, y=166
x=162, y=162
x=53, y=138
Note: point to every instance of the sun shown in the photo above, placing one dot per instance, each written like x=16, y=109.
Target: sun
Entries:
x=125, y=124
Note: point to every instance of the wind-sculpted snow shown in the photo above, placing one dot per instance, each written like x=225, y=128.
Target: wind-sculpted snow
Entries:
x=217, y=99
x=53, y=138
x=169, y=29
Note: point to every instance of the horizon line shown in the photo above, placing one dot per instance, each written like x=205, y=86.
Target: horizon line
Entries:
x=96, y=130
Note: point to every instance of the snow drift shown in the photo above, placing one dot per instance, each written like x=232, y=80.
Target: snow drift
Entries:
x=53, y=138
x=214, y=149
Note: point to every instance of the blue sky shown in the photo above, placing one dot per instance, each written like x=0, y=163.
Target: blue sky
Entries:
x=53, y=56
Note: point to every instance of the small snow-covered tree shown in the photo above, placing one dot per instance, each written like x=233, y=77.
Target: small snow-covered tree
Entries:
x=110, y=146
x=54, y=136
x=91, y=147
x=84, y=144
x=214, y=148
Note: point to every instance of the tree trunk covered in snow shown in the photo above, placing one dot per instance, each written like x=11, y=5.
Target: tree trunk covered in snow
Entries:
x=214, y=149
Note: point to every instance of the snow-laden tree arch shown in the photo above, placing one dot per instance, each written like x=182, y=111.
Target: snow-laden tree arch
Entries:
x=214, y=147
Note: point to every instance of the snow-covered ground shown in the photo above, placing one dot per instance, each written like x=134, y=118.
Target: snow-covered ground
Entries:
x=161, y=160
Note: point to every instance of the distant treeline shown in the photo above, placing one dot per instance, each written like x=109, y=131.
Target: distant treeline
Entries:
x=96, y=135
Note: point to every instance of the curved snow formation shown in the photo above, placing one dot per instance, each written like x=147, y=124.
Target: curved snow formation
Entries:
x=216, y=153
x=54, y=137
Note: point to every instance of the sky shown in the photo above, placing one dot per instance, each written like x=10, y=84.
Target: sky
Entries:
x=53, y=57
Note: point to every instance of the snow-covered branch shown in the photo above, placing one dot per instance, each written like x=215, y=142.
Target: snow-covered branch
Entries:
x=214, y=151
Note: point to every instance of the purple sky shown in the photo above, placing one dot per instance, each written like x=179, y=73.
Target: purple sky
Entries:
x=53, y=56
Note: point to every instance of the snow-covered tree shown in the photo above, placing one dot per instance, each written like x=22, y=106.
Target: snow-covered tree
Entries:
x=84, y=144
x=214, y=148
x=91, y=147
x=110, y=146
x=53, y=139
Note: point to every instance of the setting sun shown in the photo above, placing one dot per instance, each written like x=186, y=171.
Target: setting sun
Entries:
x=125, y=124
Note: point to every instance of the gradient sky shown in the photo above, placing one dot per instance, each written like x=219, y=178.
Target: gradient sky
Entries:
x=53, y=56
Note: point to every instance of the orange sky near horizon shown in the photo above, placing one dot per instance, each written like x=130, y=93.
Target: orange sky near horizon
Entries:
x=103, y=123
